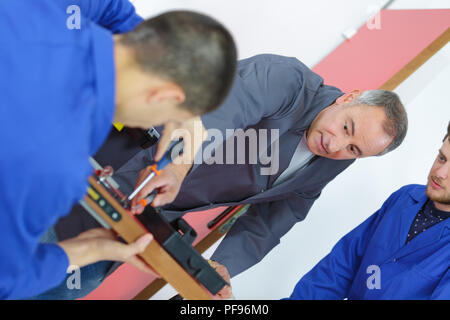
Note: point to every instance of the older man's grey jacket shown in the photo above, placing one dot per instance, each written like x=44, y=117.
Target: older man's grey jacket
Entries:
x=270, y=92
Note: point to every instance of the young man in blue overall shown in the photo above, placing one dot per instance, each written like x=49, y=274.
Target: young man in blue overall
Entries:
x=65, y=78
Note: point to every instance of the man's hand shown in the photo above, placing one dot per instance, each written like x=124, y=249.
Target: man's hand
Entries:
x=169, y=182
x=193, y=133
x=226, y=292
x=100, y=244
x=168, y=185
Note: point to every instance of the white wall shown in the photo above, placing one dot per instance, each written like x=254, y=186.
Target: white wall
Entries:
x=309, y=30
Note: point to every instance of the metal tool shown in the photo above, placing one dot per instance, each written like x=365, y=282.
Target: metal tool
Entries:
x=171, y=254
x=146, y=201
x=176, y=238
x=174, y=147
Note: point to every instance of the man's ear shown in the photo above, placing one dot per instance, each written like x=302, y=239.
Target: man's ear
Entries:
x=168, y=92
x=348, y=97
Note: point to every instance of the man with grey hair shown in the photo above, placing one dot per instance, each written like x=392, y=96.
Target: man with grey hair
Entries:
x=319, y=131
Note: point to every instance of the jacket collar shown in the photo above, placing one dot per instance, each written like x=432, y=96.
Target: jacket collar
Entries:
x=426, y=238
x=310, y=180
x=418, y=194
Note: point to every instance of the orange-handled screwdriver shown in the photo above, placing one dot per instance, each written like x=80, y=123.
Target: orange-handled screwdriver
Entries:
x=175, y=146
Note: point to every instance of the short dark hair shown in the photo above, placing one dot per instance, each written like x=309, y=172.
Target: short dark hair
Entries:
x=448, y=133
x=396, y=125
x=192, y=50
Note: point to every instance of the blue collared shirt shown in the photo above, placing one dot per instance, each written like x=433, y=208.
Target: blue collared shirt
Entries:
x=373, y=261
x=57, y=104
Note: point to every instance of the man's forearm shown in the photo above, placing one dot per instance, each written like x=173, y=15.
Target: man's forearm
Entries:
x=80, y=252
x=182, y=169
x=101, y=244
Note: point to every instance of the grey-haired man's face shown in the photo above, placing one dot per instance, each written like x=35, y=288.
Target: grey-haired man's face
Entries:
x=344, y=131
